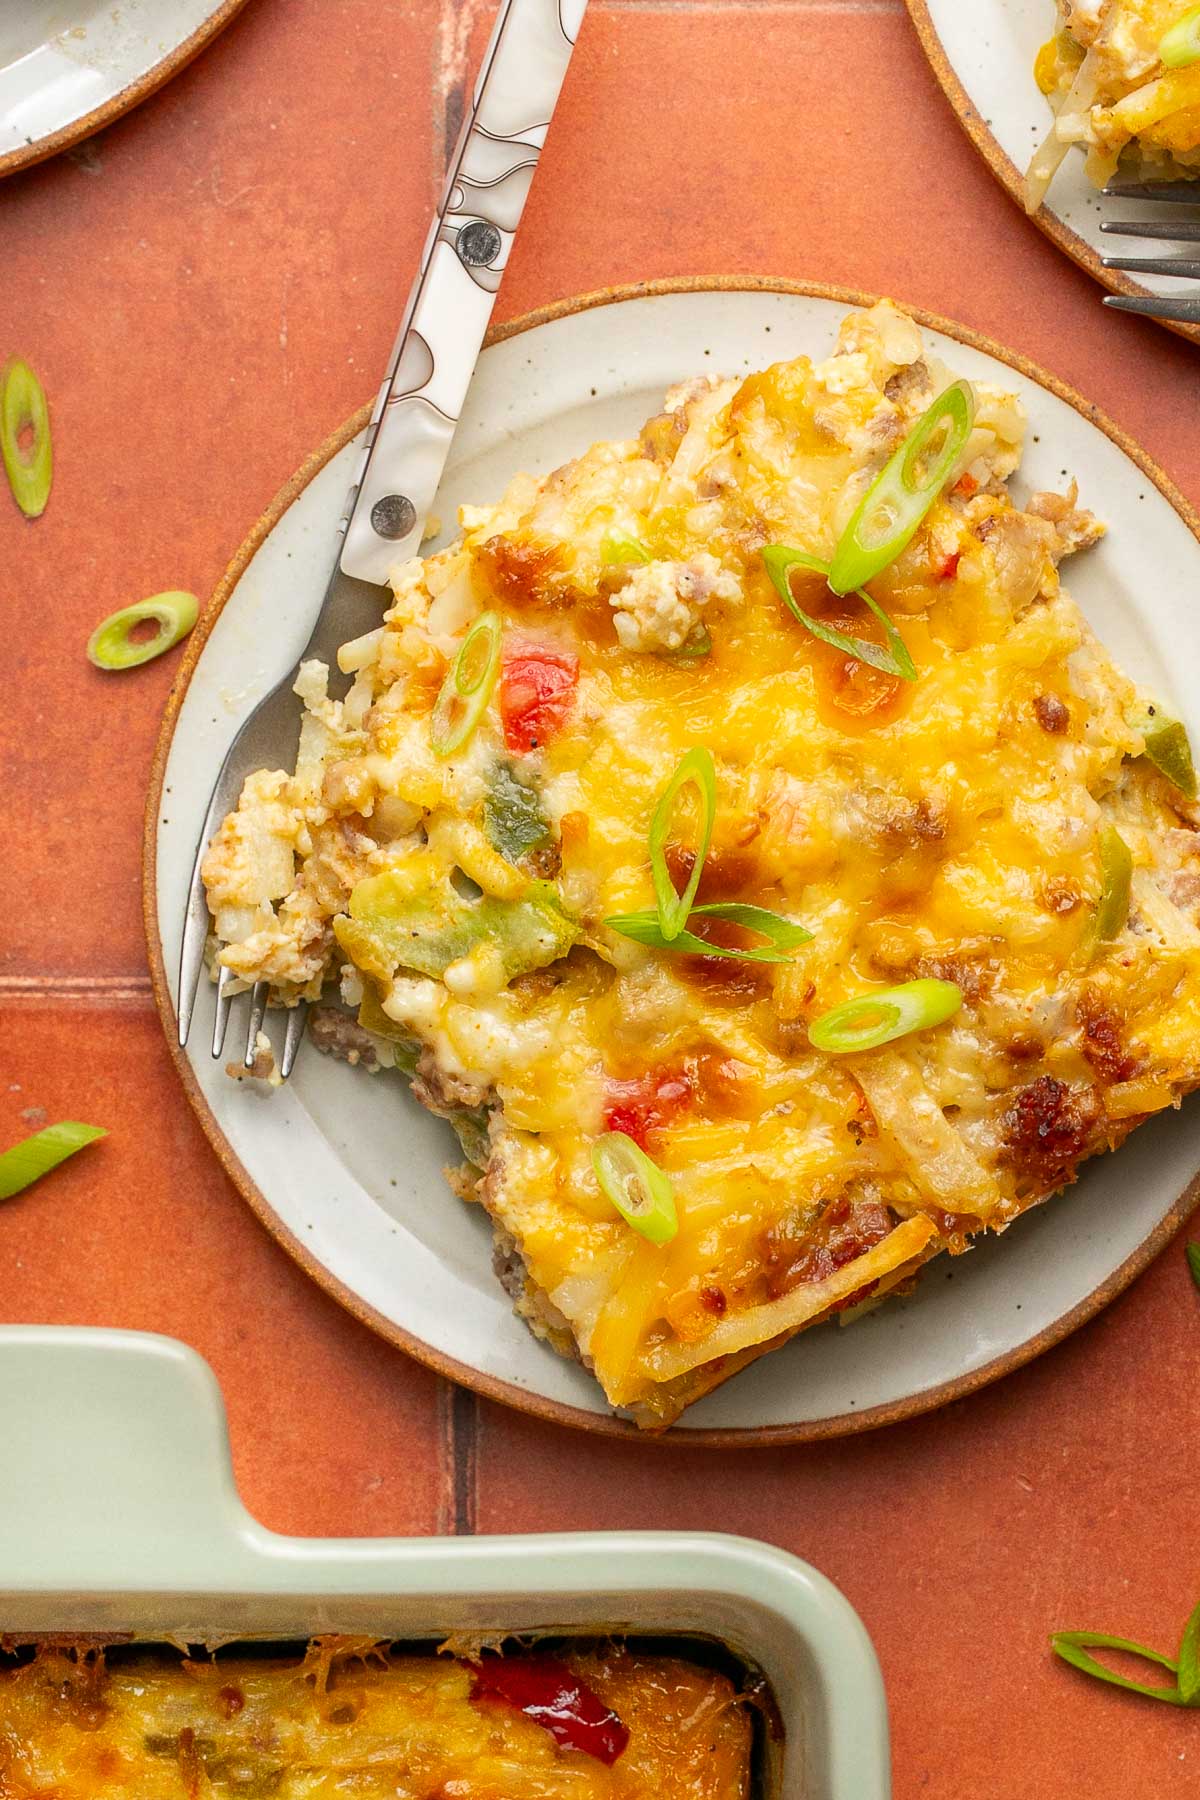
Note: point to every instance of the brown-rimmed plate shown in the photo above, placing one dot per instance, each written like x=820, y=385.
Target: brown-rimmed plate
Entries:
x=345, y=1169
x=983, y=54
x=67, y=70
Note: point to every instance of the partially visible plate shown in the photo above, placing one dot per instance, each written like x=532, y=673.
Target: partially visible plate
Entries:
x=983, y=52
x=67, y=67
x=346, y=1170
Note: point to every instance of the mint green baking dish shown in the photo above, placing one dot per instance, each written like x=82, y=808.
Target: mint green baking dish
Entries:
x=118, y=1513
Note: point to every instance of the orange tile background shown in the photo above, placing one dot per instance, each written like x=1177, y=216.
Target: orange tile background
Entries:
x=208, y=288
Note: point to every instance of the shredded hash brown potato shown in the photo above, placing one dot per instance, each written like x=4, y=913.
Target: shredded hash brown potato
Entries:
x=1112, y=96
x=949, y=828
x=361, y=1721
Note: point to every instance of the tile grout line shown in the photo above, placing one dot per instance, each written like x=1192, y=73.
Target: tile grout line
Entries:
x=458, y=1426
x=76, y=990
x=451, y=78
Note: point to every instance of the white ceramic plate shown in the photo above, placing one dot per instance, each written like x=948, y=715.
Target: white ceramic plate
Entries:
x=982, y=52
x=347, y=1169
x=68, y=67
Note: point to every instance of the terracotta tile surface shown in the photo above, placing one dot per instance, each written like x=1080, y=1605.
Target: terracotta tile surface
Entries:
x=208, y=288
x=1062, y=1498
x=332, y=1431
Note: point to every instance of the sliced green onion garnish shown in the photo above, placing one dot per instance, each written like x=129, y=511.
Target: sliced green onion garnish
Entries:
x=1073, y=1647
x=887, y=516
x=874, y=1019
x=468, y=686
x=637, y=1187
x=23, y=409
x=35, y=1156
x=1189, y=1660
x=1116, y=875
x=1167, y=747
x=1193, y=1261
x=112, y=645
x=782, y=934
x=614, y=548
x=1181, y=44
x=895, y=660
x=696, y=770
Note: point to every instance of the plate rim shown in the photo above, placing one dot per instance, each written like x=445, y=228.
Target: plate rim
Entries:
x=26, y=156
x=1012, y=179
x=492, y=1387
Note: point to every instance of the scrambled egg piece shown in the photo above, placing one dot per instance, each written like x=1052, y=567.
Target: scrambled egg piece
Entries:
x=952, y=827
x=1113, y=97
x=661, y=604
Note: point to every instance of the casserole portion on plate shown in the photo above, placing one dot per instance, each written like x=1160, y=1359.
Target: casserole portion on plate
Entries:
x=761, y=940
x=1123, y=79
x=353, y=1716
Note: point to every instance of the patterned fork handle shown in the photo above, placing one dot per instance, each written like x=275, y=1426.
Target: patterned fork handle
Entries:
x=465, y=256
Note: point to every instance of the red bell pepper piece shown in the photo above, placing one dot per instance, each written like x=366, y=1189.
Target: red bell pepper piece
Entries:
x=550, y=1694
x=537, y=694
x=646, y=1103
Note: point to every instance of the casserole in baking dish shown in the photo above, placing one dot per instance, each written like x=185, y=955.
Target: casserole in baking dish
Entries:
x=163, y=1552
x=352, y=1716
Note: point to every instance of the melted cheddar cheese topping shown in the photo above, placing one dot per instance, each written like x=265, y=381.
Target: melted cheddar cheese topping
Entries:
x=948, y=827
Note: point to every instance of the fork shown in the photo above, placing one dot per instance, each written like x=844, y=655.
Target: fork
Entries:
x=1185, y=309
x=411, y=426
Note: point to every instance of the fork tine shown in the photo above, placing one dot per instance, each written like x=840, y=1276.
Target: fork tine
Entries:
x=191, y=954
x=1155, y=265
x=221, y=1021
x=1181, y=192
x=296, y=1020
x=258, y=1010
x=1183, y=311
x=1183, y=231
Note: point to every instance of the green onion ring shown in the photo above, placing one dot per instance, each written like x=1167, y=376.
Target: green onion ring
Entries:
x=35, y=1156
x=783, y=935
x=1116, y=877
x=1193, y=1262
x=1189, y=1660
x=23, y=407
x=887, y=516
x=111, y=647
x=1180, y=46
x=779, y=559
x=1073, y=1647
x=616, y=548
x=636, y=1186
x=697, y=770
x=874, y=1019
x=468, y=686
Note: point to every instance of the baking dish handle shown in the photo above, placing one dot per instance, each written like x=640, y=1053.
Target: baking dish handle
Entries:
x=114, y=1457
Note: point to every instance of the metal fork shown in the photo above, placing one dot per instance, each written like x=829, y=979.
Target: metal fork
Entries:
x=1185, y=309
x=411, y=427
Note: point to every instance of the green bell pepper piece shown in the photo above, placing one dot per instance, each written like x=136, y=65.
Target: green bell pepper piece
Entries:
x=512, y=815
x=389, y=927
x=372, y=1017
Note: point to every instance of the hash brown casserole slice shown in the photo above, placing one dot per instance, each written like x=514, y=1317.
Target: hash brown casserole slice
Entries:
x=1114, y=97
x=995, y=823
